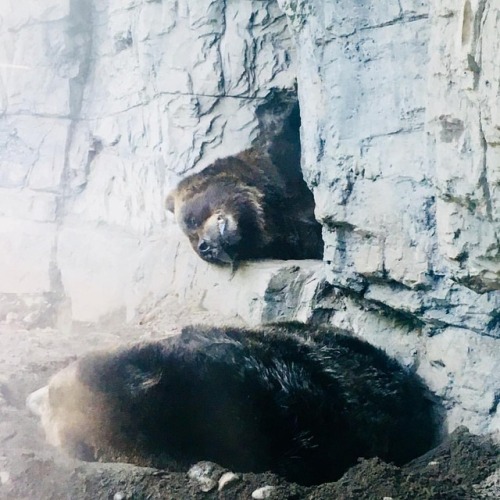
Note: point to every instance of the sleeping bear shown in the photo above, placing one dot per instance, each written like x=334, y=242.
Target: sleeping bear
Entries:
x=301, y=401
x=249, y=206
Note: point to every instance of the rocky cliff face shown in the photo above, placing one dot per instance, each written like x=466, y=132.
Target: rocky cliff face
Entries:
x=105, y=105
x=400, y=146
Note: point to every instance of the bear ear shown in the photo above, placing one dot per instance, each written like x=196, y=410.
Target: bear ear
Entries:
x=170, y=202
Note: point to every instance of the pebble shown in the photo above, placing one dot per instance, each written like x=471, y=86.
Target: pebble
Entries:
x=264, y=492
x=205, y=474
x=227, y=478
x=119, y=495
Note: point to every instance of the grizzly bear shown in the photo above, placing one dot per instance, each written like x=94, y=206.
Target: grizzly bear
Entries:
x=301, y=401
x=246, y=207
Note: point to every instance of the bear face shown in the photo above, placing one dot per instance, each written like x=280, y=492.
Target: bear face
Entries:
x=74, y=417
x=242, y=208
x=212, y=226
x=214, y=239
x=300, y=401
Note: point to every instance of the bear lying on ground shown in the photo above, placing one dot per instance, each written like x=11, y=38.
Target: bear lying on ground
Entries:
x=245, y=207
x=300, y=401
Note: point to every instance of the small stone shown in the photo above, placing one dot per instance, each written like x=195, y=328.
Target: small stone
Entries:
x=226, y=479
x=119, y=495
x=205, y=474
x=207, y=485
x=387, y=498
x=4, y=477
x=264, y=492
x=433, y=463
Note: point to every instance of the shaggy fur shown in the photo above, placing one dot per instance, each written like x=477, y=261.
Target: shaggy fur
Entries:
x=299, y=401
x=245, y=207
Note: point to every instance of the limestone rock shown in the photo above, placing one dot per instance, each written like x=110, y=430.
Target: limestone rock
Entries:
x=206, y=475
x=399, y=145
x=227, y=479
x=264, y=492
x=103, y=108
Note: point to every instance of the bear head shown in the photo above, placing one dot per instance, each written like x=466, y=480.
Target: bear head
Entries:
x=224, y=221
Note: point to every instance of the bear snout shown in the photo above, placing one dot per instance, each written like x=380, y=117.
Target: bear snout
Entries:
x=204, y=247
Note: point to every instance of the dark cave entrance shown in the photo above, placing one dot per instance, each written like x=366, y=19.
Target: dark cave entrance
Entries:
x=279, y=135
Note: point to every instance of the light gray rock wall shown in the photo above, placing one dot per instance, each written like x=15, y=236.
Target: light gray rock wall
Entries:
x=104, y=105
x=400, y=146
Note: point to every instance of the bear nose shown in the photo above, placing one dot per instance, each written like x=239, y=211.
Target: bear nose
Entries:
x=203, y=247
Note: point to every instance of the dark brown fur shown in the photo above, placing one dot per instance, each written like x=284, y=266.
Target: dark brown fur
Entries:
x=244, y=207
x=302, y=401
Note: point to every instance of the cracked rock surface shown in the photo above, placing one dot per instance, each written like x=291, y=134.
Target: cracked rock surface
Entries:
x=105, y=105
x=400, y=148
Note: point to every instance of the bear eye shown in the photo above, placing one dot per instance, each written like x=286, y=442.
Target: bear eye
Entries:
x=191, y=223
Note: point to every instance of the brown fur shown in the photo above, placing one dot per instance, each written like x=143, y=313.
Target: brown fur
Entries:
x=299, y=400
x=243, y=207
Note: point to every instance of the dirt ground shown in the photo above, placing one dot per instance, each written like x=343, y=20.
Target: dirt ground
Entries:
x=462, y=467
